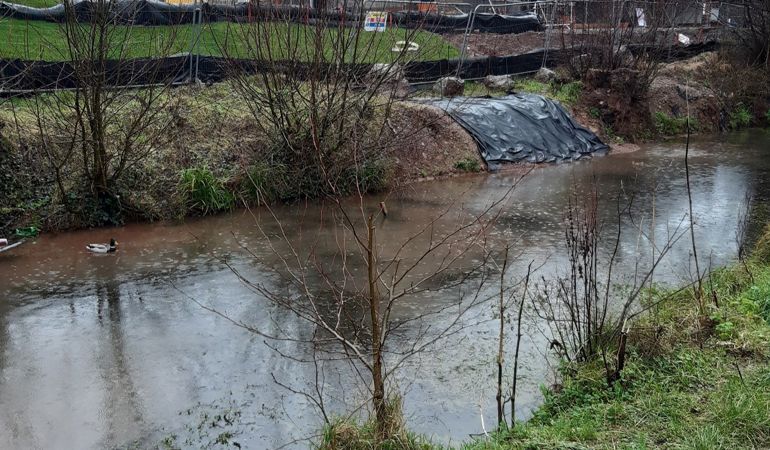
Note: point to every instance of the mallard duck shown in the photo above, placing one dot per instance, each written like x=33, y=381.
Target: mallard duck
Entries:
x=5, y=245
x=103, y=248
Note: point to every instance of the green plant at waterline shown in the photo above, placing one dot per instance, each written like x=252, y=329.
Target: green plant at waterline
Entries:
x=767, y=116
x=350, y=435
x=372, y=176
x=265, y=183
x=669, y=126
x=269, y=182
x=468, y=165
x=740, y=117
x=205, y=192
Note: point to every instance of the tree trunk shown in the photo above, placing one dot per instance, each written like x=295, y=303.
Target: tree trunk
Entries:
x=621, y=358
x=499, y=396
x=518, y=346
x=378, y=398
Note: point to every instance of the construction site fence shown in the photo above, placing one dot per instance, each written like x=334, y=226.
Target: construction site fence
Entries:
x=155, y=13
x=20, y=77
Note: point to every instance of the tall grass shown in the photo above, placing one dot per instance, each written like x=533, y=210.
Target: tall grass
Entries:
x=204, y=192
x=740, y=117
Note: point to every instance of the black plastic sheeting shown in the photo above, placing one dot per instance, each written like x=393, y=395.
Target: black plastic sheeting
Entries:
x=475, y=68
x=17, y=76
x=30, y=76
x=522, y=127
x=33, y=76
x=488, y=23
x=151, y=12
x=674, y=52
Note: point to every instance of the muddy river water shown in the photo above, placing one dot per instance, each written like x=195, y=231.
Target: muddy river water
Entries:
x=112, y=351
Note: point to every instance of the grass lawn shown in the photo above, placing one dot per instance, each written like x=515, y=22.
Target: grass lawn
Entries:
x=36, y=3
x=45, y=41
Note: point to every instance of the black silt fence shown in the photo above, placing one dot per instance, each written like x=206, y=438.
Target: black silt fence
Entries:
x=474, y=68
x=17, y=76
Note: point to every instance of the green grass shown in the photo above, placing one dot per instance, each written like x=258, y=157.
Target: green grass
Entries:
x=205, y=192
x=740, y=117
x=468, y=165
x=670, y=126
x=36, y=3
x=532, y=86
x=569, y=93
x=45, y=41
x=566, y=93
x=678, y=390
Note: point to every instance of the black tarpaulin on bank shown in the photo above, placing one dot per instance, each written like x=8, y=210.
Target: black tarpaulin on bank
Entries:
x=521, y=127
x=151, y=12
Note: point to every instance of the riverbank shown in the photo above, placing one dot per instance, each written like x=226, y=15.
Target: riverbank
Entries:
x=690, y=381
x=210, y=158
x=702, y=91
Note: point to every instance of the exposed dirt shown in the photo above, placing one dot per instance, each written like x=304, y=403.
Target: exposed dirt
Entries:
x=490, y=44
x=423, y=143
x=430, y=144
x=621, y=148
x=615, y=100
x=486, y=44
x=679, y=90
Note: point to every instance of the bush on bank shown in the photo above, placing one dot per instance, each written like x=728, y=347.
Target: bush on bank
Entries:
x=212, y=158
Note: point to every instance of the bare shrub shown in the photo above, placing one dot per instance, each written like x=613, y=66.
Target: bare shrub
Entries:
x=618, y=59
x=319, y=105
x=589, y=314
x=95, y=133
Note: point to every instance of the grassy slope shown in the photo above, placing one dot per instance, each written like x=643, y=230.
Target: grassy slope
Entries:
x=45, y=41
x=675, y=393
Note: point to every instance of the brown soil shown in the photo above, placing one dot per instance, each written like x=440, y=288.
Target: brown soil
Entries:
x=490, y=44
x=708, y=87
x=430, y=143
x=486, y=44
x=679, y=89
x=613, y=101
